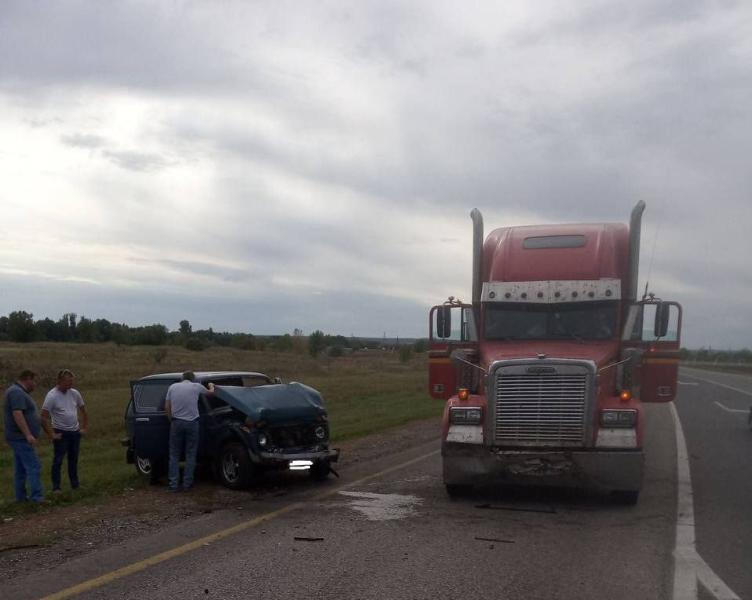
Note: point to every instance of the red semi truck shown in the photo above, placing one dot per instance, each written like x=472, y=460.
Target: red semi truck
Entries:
x=545, y=373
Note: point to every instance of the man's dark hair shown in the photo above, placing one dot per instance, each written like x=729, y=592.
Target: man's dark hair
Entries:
x=26, y=374
x=189, y=376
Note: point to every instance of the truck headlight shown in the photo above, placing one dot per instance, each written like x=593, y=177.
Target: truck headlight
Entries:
x=262, y=440
x=472, y=415
x=320, y=432
x=618, y=418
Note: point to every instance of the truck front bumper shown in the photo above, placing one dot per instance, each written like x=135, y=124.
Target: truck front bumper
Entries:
x=606, y=470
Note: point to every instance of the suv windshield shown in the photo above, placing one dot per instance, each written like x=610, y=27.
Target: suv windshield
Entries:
x=578, y=321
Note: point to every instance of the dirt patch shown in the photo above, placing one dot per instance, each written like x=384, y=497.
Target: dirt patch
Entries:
x=53, y=536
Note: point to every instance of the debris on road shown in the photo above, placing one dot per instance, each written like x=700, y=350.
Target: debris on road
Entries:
x=500, y=541
x=298, y=538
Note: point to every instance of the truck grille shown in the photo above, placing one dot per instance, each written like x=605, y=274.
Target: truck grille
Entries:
x=540, y=409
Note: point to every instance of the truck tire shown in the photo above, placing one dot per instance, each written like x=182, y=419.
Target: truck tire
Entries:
x=455, y=490
x=627, y=497
x=233, y=466
x=319, y=470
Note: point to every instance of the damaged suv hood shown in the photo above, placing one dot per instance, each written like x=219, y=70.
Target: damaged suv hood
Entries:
x=274, y=403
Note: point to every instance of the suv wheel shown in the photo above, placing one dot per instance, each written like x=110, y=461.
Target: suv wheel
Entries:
x=148, y=469
x=233, y=466
x=456, y=490
x=143, y=466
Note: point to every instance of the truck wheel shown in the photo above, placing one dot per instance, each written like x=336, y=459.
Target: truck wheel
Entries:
x=628, y=497
x=455, y=490
x=319, y=470
x=233, y=467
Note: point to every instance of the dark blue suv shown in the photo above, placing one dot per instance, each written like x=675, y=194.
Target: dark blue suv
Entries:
x=250, y=424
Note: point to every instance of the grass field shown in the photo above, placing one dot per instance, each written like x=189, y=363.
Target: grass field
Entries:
x=744, y=368
x=365, y=392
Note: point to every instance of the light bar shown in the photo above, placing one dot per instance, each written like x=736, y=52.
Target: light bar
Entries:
x=552, y=292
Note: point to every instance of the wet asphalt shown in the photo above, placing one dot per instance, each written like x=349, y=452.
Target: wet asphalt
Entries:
x=398, y=535
x=719, y=441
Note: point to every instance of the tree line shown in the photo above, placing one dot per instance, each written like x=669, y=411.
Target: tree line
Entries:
x=709, y=355
x=20, y=326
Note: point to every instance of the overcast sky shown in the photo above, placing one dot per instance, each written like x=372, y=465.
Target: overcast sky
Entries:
x=266, y=166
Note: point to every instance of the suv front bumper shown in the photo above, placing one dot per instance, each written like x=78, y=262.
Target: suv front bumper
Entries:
x=282, y=459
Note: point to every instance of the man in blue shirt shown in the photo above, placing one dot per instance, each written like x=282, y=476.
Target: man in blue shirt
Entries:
x=22, y=429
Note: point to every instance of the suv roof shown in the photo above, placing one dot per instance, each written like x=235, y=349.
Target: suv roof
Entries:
x=205, y=375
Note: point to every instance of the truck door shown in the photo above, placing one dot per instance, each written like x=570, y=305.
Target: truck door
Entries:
x=151, y=428
x=654, y=326
x=452, y=326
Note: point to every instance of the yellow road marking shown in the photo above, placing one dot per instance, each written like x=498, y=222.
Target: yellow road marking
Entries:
x=141, y=565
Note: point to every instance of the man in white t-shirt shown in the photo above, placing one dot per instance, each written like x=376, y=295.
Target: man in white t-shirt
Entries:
x=64, y=404
x=181, y=406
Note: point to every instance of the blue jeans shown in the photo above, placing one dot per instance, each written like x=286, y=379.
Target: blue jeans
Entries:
x=26, y=467
x=69, y=444
x=183, y=435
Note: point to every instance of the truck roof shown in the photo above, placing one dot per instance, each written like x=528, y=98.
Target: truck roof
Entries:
x=556, y=252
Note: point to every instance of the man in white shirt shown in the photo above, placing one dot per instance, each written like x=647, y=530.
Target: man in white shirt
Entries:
x=64, y=404
x=181, y=405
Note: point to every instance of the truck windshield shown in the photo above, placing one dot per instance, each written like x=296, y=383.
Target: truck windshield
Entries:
x=577, y=321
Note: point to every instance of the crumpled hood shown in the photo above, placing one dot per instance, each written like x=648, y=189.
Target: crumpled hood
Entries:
x=601, y=353
x=275, y=403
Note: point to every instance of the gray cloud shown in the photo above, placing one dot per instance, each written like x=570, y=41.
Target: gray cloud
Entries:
x=136, y=161
x=83, y=140
x=390, y=119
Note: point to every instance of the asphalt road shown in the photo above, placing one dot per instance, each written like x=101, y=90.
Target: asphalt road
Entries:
x=396, y=534
x=713, y=408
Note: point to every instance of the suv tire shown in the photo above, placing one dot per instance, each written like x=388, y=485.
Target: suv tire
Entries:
x=455, y=490
x=149, y=469
x=233, y=466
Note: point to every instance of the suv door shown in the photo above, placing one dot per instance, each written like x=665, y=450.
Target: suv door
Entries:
x=151, y=428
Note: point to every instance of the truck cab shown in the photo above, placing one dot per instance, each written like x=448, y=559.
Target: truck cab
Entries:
x=544, y=373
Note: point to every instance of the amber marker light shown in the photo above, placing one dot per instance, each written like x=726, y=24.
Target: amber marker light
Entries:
x=625, y=396
x=463, y=394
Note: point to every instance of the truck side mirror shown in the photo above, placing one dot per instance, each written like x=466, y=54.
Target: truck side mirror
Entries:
x=661, y=320
x=444, y=322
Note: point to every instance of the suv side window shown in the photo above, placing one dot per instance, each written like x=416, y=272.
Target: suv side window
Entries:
x=149, y=397
x=249, y=381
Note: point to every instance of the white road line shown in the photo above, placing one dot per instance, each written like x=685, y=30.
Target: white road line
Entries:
x=723, y=385
x=689, y=567
x=732, y=410
x=688, y=383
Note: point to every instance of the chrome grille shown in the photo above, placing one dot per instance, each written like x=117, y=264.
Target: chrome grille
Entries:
x=540, y=409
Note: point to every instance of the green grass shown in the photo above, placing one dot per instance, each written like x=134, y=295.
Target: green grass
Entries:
x=743, y=368
x=364, y=392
